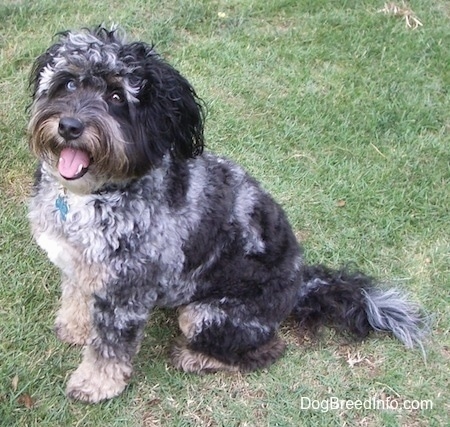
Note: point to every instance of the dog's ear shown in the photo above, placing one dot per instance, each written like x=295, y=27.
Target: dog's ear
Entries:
x=169, y=109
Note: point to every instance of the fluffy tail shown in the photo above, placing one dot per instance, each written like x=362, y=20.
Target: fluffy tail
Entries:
x=352, y=302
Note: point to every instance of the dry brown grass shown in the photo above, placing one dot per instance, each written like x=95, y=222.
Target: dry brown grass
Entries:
x=402, y=11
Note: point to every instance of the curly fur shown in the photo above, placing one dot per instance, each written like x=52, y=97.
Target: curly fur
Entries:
x=147, y=219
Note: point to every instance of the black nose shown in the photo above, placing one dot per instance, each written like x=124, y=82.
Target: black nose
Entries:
x=70, y=128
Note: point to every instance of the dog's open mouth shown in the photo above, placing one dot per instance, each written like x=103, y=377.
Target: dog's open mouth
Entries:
x=73, y=163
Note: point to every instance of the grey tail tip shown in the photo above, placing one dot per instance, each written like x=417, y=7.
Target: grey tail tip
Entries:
x=389, y=310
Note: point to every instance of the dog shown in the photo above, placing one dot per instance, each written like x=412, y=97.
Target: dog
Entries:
x=136, y=215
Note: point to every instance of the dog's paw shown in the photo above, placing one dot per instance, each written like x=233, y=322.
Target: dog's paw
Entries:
x=187, y=360
x=94, y=382
x=71, y=334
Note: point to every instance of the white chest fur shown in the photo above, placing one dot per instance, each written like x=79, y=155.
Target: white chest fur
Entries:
x=59, y=252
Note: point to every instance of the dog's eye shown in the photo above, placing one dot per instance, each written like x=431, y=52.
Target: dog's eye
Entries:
x=71, y=85
x=116, y=98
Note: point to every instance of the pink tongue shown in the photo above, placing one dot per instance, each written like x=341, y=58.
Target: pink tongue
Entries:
x=72, y=162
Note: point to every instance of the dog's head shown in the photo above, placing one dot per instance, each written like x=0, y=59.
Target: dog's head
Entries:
x=106, y=111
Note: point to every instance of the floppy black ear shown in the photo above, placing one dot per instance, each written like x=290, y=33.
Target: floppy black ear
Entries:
x=169, y=111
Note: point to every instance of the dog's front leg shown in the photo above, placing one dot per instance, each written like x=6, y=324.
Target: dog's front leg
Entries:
x=73, y=323
x=98, y=377
x=118, y=324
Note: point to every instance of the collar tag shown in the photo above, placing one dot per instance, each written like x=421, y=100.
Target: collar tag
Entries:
x=62, y=206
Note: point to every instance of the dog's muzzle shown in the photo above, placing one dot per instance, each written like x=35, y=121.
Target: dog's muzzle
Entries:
x=73, y=163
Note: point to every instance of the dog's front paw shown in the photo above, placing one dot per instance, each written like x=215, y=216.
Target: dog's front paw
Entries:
x=97, y=381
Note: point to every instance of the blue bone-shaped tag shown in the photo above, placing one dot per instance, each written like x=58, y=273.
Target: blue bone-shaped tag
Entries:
x=62, y=206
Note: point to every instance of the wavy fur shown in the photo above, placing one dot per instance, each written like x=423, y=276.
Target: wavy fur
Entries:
x=153, y=221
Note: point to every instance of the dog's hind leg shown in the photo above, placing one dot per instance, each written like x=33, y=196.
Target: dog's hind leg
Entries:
x=215, y=339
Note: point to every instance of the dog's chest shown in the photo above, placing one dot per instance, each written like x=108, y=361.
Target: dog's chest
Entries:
x=114, y=230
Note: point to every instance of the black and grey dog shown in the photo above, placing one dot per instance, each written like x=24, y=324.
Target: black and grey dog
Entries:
x=136, y=215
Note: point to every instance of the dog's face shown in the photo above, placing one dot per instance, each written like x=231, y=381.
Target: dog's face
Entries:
x=105, y=111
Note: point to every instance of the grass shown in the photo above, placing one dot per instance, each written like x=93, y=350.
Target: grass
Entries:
x=343, y=114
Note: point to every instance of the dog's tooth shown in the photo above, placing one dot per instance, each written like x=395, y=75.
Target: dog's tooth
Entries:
x=80, y=168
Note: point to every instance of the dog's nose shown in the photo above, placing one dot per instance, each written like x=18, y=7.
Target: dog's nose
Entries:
x=70, y=128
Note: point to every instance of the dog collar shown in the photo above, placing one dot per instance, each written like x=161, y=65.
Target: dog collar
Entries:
x=61, y=205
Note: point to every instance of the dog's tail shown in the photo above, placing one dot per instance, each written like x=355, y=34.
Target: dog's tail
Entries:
x=351, y=301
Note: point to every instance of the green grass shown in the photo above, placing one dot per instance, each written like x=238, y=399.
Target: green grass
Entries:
x=344, y=114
